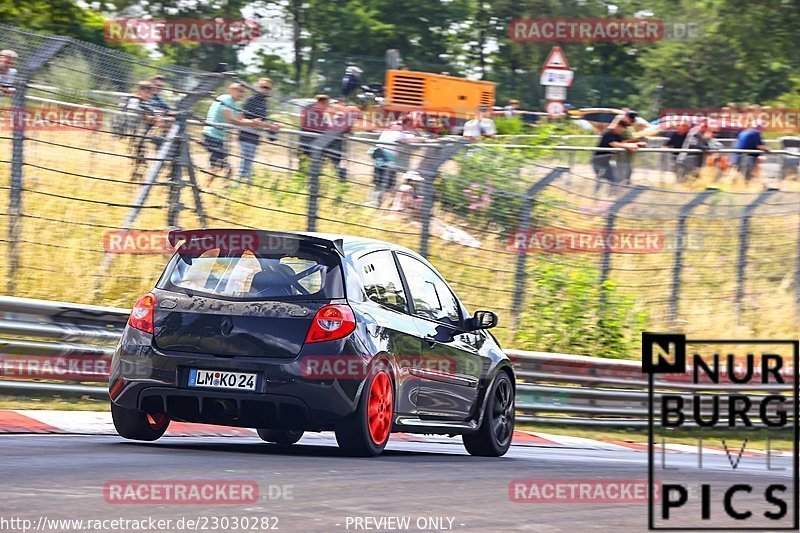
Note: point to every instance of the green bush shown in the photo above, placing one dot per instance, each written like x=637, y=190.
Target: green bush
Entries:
x=489, y=184
x=568, y=310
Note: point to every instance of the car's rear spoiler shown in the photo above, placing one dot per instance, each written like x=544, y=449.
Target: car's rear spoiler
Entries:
x=232, y=239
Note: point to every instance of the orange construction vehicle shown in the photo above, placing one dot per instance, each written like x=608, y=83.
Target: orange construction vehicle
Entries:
x=446, y=101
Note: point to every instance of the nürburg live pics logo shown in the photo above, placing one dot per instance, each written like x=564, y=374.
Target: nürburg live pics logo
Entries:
x=723, y=433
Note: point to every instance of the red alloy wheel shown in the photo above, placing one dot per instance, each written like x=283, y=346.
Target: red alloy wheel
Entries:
x=157, y=420
x=380, y=407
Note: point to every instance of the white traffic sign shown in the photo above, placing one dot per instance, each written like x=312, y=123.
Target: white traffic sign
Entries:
x=556, y=59
x=555, y=109
x=557, y=77
x=555, y=92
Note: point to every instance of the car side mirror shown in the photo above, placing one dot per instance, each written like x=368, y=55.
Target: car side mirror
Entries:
x=483, y=320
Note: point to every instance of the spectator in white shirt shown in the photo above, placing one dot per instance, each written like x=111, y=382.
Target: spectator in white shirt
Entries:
x=8, y=73
x=480, y=126
x=389, y=158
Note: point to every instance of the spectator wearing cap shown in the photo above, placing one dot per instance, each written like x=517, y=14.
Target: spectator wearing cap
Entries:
x=226, y=110
x=255, y=107
x=8, y=74
x=480, y=126
x=750, y=139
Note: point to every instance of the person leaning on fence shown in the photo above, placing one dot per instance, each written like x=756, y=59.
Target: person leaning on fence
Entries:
x=226, y=110
x=675, y=141
x=750, y=139
x=157, y=101
x=602, y=159
x=625, y=159
x=255, y=107
x=321, y=117
x=385, y=156
x=140, y=119
x=8, y=74
x=698, y=138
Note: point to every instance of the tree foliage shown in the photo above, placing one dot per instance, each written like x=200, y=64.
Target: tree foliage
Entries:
x=747, y=52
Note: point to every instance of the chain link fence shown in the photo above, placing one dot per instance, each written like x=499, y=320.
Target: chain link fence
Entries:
x=522, y=230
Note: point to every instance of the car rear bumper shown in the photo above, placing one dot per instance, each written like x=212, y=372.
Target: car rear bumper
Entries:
x=144, y=378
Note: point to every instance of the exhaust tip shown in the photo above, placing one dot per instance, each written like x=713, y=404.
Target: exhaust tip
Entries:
x=224, y=408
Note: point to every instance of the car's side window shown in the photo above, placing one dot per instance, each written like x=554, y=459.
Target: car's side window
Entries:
x=382, y=281
x=432, y=298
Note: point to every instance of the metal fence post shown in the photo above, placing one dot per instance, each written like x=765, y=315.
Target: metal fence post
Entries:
x=524, y=226
x=174, y=206
x=744, y=243
x=680, y=234
x=605, y=268
x=36, y=61
x=429, y=169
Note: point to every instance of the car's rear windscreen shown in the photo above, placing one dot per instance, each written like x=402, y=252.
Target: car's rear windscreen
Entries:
x=307, y=272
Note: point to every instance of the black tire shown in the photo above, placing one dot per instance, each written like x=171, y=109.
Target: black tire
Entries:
x=136, y=425
x=355, y=434
x=493, y=437
x=281, y=437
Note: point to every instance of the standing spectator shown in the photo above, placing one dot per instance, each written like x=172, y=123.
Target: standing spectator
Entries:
x=675, y=141
x=677, y=137
x=255, y=107
x=750, y=139
x=625, y=159
x=351, y=81
x=8, y=74
x=698, y=138
x=321, y=117
x=386, y=157
x=157, y=101
x=140, y=120
x=226, y=110
x=511, y=109
x=601, y=161
x=480, y=126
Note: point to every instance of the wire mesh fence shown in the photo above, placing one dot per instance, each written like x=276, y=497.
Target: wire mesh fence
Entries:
x=522, y=230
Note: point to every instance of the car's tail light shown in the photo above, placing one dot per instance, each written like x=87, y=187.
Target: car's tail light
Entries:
x=142, y=313
x=331, y=322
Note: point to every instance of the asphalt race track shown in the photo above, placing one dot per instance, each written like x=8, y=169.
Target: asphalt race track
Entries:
x=315, y=488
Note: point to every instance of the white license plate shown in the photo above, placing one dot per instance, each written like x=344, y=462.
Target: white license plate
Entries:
x=219, y=379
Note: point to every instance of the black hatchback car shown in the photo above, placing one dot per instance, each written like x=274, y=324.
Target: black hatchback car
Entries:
x=294, y=332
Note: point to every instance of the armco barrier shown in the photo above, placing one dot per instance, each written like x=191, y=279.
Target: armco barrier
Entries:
x=64, y=348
